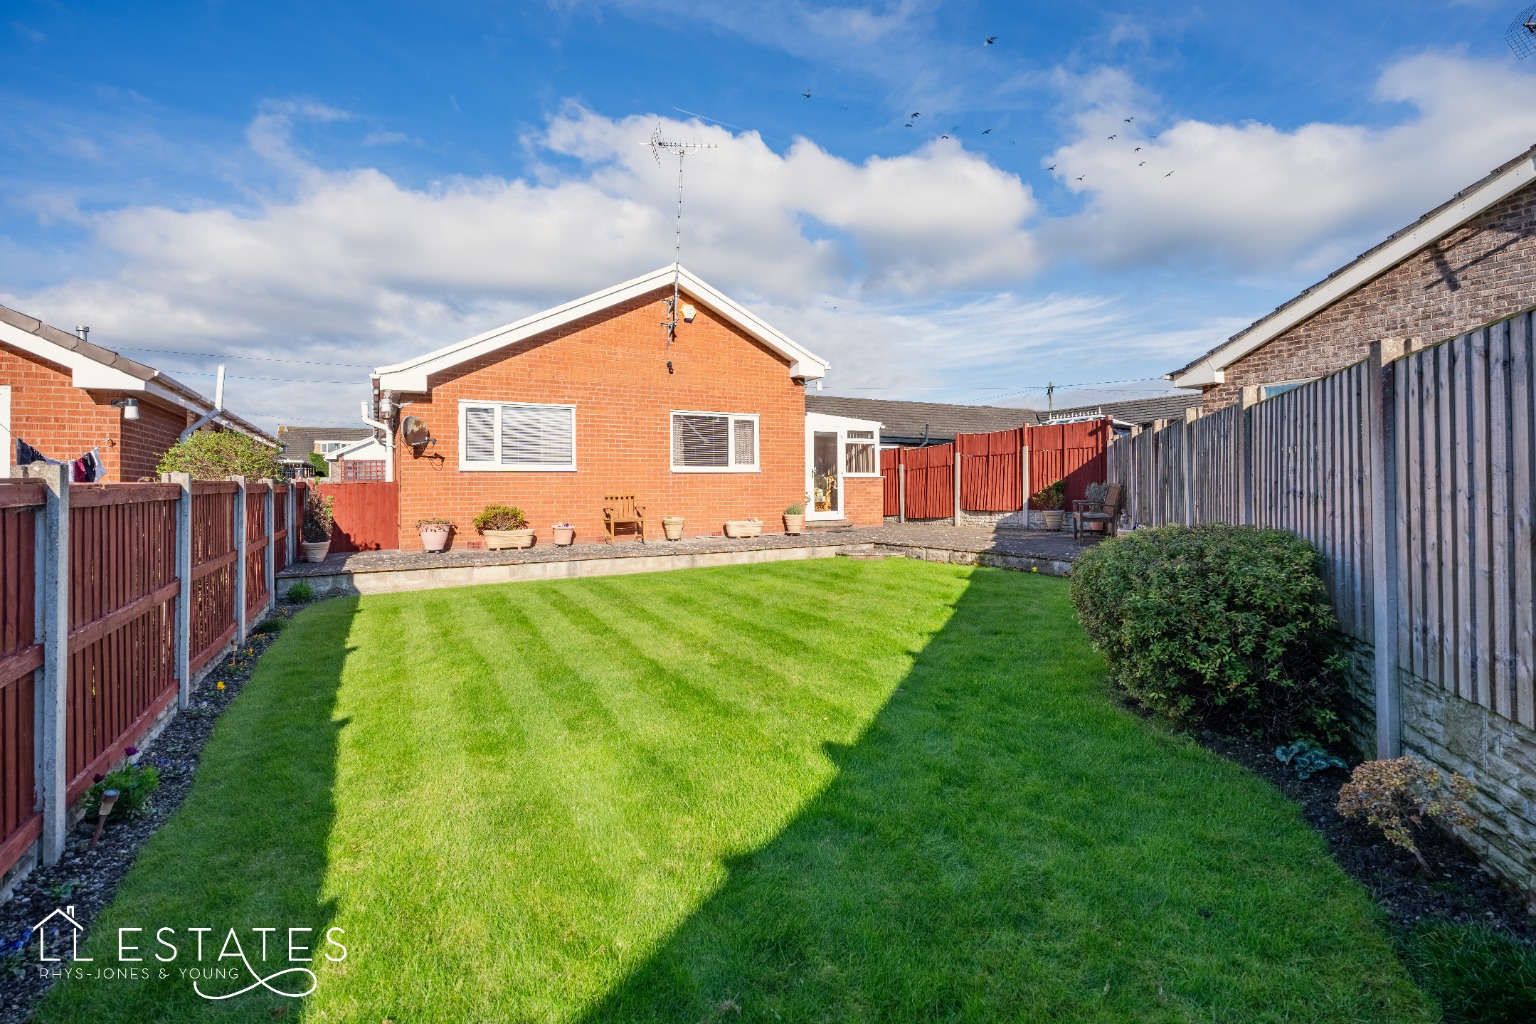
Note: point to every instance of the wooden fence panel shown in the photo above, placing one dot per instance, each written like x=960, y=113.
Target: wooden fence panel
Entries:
x=122, y=589
x=20, y=656
x=990, y=474
x=213, y=569
x=1468, y=421
x=256, y=593
x=890, y=481
x=367, y=516
x=1216, y=483
x=280, y=527
x=930, y=481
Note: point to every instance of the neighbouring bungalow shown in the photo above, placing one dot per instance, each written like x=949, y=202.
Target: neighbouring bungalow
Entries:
x=63, y=397
x=1468, y=262
x=299, y=443
x=912, y=424
x=591, y=398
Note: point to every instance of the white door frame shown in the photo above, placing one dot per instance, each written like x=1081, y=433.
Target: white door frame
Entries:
x=821, y=423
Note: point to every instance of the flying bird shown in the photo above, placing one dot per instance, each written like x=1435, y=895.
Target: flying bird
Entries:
x=1168, y=175
x=944, y=136
x=1137, y=149
x=1114, y=136
x=1142, y=164
x=806, y=94
x=1051, y=168
x=1129, y=120
x=990, y=41
x=916, y=114
x=909, y=124
x=987, y=131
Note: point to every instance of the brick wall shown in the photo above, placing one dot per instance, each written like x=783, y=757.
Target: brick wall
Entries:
x=1484, y=271
x=864, y=500
x=612, y=367
x=55, y=417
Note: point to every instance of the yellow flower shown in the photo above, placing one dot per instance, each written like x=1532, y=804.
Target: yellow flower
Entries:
x=220, y=684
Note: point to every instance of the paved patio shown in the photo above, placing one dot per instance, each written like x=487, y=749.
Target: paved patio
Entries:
x=386, y=571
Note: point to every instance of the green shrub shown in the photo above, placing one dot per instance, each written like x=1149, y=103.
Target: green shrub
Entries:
x=1052, y=498
x=1223, y=626
x=501, y=517
x=319, y=516
x=300, y=593
x=1477, y=974
x=318, y=465
x=214, y=455
x=268, y=626
x=134, y=784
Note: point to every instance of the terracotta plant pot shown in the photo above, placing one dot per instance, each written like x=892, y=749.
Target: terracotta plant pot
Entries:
x=672, y=527
x=739, y=528
x=498, y=540
x=1054, y=518
x=315, y=550
x=565, y=536
x=794, y=524
x=435, y=538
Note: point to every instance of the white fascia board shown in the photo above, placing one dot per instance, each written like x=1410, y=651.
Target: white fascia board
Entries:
x=1202, y=375
x=825, y=419
x=355, y=449
x=411, y=376
x=85, y=372
x=1365, y=270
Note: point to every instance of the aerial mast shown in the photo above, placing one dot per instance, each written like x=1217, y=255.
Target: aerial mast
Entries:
x=658, y=144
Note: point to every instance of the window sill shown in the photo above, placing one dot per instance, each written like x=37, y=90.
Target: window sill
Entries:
x=715, y=469
x=473, y=468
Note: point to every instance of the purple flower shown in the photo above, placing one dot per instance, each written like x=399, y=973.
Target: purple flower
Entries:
x=130, y=751
x=97, y=778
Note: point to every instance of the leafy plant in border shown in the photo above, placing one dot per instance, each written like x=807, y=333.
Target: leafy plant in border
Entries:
x=216, y=454
x=1307, y=758
x=1223, y=626
x=135, y=783
x=1397, y=796
x=1052, y=498
x=300, y=593
x=319, y=516
x=1478, y=975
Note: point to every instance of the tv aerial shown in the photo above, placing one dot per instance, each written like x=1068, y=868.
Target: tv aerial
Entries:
x=1521, y=34
x=659, y=144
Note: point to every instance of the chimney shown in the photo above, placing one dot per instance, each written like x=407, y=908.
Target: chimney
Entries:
x=83, y=332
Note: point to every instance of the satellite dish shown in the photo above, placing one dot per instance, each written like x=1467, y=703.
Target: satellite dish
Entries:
x=415, y=432
x=1521, y=34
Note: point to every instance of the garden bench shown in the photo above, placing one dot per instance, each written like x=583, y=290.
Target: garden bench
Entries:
x=1106, y=512
x=621, y=510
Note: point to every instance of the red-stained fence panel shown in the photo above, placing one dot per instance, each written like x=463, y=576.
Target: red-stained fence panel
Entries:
x=213, y=569
x=20, y=656
x=255, y=549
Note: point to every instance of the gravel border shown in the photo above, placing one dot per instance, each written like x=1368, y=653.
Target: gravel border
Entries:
x=88, y=879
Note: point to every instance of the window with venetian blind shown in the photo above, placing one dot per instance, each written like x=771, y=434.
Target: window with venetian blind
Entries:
x=513, y=436
x=714, y=442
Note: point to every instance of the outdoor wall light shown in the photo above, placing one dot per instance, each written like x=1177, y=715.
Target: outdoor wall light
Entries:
x=130, y=407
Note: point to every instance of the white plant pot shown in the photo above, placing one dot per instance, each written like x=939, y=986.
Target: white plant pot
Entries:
x=739, y=528
x=499, y=540
x=315, y=550
x=435, y=538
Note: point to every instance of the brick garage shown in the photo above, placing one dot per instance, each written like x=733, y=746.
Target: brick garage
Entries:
x=50, y=410
x=608, y=358
x=1467, y=263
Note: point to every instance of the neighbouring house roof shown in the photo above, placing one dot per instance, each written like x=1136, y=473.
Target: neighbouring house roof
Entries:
x=352, y=449
x=299, y=442
x=96, y=368
x=411, y=376
x=1499, y=184
x=1136, y=411
x=907, y=421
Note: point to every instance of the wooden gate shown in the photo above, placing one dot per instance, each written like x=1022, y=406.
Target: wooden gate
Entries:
x=367, y=516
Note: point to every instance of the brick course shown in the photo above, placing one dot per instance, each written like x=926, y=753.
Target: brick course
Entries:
x=612, y=367
x=1482, y=272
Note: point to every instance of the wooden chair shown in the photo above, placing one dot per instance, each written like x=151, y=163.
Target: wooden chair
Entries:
x=1106, y=512
x=621, y=510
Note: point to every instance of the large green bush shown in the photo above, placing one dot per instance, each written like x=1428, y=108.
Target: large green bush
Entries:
x=214, y=455
x=1223, y=626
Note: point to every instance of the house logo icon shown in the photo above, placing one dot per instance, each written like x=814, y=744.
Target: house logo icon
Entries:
x=75, y=928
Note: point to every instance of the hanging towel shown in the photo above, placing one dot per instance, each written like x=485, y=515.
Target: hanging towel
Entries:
x=26, y=455
x=96, y=472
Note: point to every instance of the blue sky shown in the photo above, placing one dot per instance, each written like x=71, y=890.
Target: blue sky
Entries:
x=305, y=191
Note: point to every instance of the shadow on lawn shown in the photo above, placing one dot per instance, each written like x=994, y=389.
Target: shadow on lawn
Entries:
x=246, y=850
x=891, y=895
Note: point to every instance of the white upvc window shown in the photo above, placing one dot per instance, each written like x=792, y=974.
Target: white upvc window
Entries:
x=510, y=437
x=860, y=453
x=714, y=442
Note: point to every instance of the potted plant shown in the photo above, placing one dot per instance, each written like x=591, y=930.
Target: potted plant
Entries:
x=1051, y=501
x=565, y=535
x=504, y=526
x=672, y=527
x=316, y=528
x=794, y=518
x=434, y=533
x=738, y=528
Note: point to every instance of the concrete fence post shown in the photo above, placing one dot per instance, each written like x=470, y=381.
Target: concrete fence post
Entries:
x=901, y=489
x=269, y=564
x=52, y=679
x=1188, y=438
x=1024, y=482
x=1384, y=568
x=954, y=456
x=184, y=576
x=240, y=553
x=1242, y=441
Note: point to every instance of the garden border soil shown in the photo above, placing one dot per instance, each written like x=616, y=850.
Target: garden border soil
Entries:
x=88, y=879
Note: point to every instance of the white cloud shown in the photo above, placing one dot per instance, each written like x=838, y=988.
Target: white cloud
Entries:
x=1251, y=196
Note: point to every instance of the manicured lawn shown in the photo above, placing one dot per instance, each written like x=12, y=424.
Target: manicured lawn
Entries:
x=821, y=791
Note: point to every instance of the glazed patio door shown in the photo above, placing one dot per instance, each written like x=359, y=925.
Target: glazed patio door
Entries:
x=826, y=483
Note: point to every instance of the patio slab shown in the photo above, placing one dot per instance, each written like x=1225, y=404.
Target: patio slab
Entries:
x=374, y=572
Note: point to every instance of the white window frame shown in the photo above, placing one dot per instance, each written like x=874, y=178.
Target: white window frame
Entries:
x=730, y=433
x=844, y=441
x=465, y=466
x=1287, y=386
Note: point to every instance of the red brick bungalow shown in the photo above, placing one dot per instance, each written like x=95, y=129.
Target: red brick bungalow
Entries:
x=590, y=398
x=65, y=396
